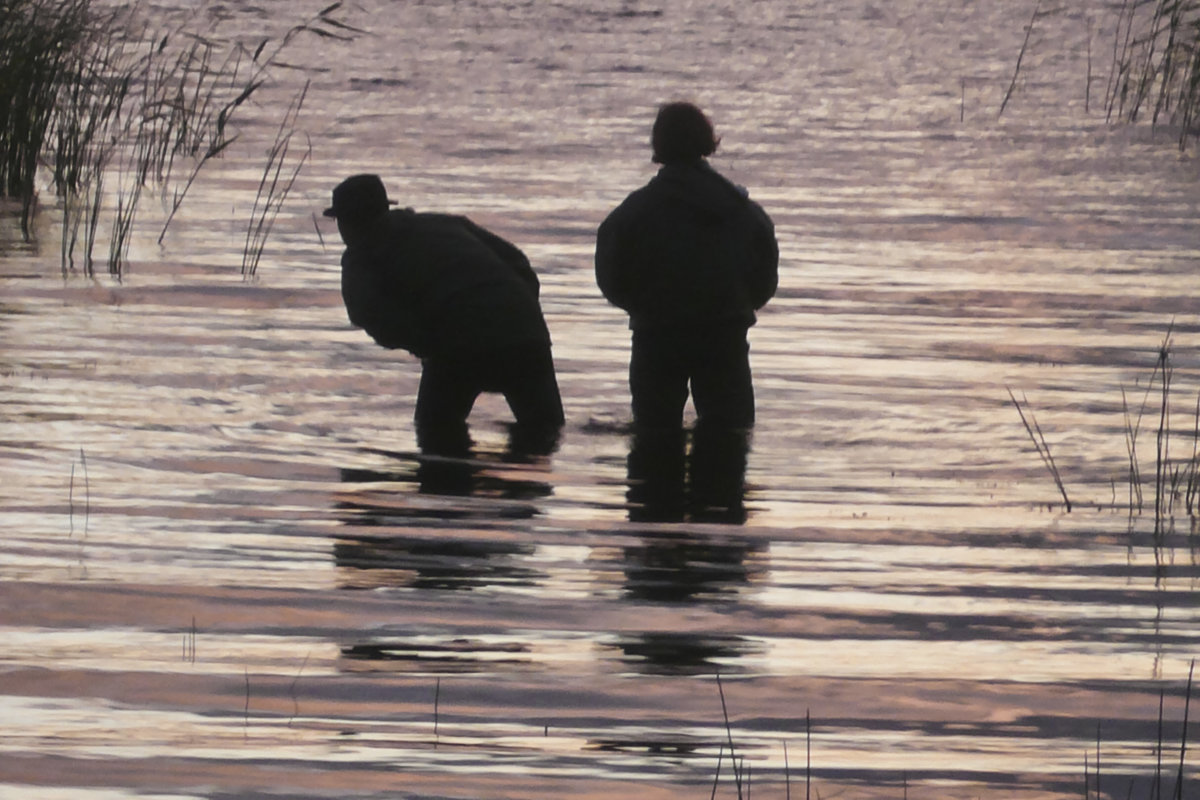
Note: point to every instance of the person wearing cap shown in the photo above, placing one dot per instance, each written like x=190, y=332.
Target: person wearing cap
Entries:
x=691, y=258
x=460, y=298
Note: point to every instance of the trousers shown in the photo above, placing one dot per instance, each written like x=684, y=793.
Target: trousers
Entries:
x=713, y=361
x=524, y=374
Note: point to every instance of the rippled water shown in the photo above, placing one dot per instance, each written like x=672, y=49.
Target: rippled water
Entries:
x=227, y=571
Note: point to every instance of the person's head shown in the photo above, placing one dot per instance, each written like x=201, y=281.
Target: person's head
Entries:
x=358, y=203
x=682, y=134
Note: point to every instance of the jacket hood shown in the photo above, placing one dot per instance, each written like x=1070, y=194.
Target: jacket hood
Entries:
x=700, y=186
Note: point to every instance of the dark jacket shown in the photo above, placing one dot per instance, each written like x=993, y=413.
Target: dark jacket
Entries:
x=689, y=248
x=439, y=286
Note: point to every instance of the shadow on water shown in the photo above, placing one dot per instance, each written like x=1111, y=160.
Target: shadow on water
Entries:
x=680, y=567
x=382, y=549
x=396, y=541
x=677, y=476
x=428, y=521
x=684, y=654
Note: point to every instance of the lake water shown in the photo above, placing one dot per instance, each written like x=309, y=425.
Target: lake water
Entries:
x=226, y=571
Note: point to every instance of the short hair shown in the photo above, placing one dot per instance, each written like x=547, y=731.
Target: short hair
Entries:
x=682, y=134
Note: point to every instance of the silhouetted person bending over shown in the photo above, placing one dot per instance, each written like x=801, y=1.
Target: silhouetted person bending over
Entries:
x=691, y=258
x=458, y=297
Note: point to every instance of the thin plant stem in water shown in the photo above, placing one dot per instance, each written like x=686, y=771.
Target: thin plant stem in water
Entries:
x=1135, y=475
x=717, y=774
x=1161, y=496
x=246, y=709
x=1187, y=702
x=787, y=774
x=189, y=643
x=807, y=752
x=737, y=777
x=1020, y=57
x=87, y=496
x=437, y=697
x=292, y=689
x=71, y=501
x=273, y=188
x=1042, y=446
x=1156, y=788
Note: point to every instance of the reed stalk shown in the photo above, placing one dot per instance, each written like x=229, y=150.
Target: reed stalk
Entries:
x=1156, y=65
x=1156, y=786
x=807, y=753
x=737, y=773
x=1042, y=446
x=292, y=689
x=1132, y=427
x=1020, y=57
x=109, y=106
x=717, y=773
x=246, y=708
x=189, y=643
x=1183, y=737
x=1192, y=492
x=1163, y=440
x=437, y=699
x=274, y=187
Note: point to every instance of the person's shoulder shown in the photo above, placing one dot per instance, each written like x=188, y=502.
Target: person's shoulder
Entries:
x=440, y=222
x=637, y=199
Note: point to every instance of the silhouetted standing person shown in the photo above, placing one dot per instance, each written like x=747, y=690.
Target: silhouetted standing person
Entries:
x=691, y=258
x=461, y=299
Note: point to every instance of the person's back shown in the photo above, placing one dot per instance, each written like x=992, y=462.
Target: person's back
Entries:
x=438, y=285
x=691, y=258
x=689, y=248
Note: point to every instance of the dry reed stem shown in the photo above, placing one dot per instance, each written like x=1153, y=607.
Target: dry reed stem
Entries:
x=737, y=775
x=1187, y=703
x=1042, y=446
x=273, y=187
x=1020, y=56
x=437, y=697
x=106, y=96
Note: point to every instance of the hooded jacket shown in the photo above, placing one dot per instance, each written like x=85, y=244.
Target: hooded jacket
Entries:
x=440, y=286
x=689, y=248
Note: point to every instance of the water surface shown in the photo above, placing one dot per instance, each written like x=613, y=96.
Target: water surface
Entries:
x=228, y=571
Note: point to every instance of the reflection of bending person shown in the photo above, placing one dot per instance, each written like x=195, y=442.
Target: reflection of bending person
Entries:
x=460, y=298
x=691, y=258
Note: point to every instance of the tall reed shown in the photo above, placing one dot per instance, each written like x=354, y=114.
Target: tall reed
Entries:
x=41, y=43
x=1156, y=65
x=1176, y=477
x=1041, y=445
x=274, y=187
x=111, y=107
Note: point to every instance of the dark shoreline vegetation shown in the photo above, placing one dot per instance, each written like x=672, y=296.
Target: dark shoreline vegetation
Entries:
x=1154, y=72
x=110, y=107
x=1156, y=65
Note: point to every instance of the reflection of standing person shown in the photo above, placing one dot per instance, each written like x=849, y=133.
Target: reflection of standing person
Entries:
x=457, y=296
x=667, y=483
x=691, y=258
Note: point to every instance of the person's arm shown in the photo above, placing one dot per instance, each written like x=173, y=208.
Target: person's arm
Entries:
x=612, y=262
x=764, y=271
x=381, y=308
